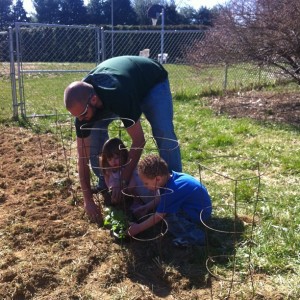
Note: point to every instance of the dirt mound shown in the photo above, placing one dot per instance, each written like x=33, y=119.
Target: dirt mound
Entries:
x=266, y=106
x=49, y=250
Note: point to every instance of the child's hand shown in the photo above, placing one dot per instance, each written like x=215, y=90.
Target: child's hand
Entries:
x=140, y=211
x=115, y=195
x=133, y=229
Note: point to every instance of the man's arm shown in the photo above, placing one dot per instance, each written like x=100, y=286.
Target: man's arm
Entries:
x=137, y=145
x=83, y=153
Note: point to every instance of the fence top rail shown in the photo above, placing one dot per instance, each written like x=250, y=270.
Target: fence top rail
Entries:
x=18, y=24
x=53, y=71
x=155, y=31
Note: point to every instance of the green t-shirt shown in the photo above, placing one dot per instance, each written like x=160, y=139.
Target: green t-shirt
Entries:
x=122, y=83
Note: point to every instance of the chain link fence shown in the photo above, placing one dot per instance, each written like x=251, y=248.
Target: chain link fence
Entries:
x=39, y=60
x=5, y=84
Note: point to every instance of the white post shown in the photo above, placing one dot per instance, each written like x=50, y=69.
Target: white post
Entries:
x=225, y=77
x=162, y=36
x=112, y=28
x=13, y=74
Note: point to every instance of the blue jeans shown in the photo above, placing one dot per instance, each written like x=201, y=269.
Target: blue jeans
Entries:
x=99, y=135
x=181, y=227
x=157, y=107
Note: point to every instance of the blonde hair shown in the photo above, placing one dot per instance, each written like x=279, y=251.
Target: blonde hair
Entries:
x=152, y=165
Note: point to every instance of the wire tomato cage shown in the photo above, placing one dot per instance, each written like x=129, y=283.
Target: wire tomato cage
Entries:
x=234, y=183
x=159, y=229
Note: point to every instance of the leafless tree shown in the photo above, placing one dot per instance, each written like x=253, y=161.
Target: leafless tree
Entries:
x=259, y=31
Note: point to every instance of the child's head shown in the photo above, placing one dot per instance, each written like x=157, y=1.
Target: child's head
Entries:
x=153, y=171
x=114, y=154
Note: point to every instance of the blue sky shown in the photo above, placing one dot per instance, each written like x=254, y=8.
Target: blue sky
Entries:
x=198, y=3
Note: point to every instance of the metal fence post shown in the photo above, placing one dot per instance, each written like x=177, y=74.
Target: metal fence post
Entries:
x=98, y=47
x=20, y=78
x=162, y=36
x=12, y=74
x=103, y=46
x=225, y=77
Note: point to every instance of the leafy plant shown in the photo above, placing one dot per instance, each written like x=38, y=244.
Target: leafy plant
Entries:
x=116, y=220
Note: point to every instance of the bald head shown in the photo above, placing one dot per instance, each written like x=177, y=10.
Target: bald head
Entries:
x=76, y=92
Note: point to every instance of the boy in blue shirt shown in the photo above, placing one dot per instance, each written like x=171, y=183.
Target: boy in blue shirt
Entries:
x=182, y=198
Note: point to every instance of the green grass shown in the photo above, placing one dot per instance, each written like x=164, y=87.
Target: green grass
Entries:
x=276, y=149
x=44, y=83
x=232, y=150
x=214, y=141
x=208, y=80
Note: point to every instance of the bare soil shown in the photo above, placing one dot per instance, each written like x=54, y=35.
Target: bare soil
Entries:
x=49, y=250
x=266, y=106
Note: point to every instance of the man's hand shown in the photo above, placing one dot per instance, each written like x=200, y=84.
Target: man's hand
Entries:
x=93, y=212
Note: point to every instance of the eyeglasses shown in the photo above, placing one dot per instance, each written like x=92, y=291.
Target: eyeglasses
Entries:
x=86, y=107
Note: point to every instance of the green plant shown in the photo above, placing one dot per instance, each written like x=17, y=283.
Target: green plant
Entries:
x=116, y=221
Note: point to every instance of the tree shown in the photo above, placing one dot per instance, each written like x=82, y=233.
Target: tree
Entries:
x=260, y=31
x=141, y=8
x=5, y=14
x=73, y=12
x=47, y=11
x=172, y=16
x=99, y=12
x=123, y=12
x=203, y=17
x=188, y=13
x=19, y=13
